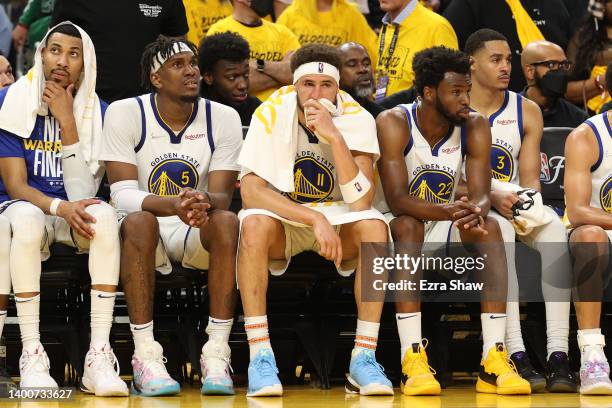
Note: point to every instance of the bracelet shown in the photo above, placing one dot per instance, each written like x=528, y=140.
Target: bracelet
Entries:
x=209, y=199
x=54, y=205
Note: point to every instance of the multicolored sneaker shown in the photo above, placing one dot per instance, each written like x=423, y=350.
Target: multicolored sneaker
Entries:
x=595, y=376
x=366, y=376
x=34, y=369
x=215, y=365
x=417, y=376
x=263, y=378
x=150, y=375
x=525, y=369
x=498, y=374
x=101, y=374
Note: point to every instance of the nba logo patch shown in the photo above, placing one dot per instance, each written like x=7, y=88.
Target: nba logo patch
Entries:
x=320, y=67
x=544, y=168
x=358, y=187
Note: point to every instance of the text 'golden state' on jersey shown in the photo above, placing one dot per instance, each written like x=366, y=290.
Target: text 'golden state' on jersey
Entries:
x=601, y=171
x=433, y=172
x=169, y=161
x=314, y=172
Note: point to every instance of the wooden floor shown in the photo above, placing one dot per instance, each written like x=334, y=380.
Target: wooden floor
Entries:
x=304, y=396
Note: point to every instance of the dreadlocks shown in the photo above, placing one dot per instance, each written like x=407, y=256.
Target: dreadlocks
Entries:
x=162, y=45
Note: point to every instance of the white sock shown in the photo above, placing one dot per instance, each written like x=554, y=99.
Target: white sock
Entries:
x=28, y=315
x=219, y=329
x=102, y=304
x=2, y=319
x=493, y=331
x=557, y=327
x=256, y=328
x=591, y=343
x=409, y=329
x=366, y=336
x=142, y=334
x=514, y=337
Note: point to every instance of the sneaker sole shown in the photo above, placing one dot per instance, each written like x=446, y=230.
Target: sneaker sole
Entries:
x=87, y=388
x=352, y=387
x=597, y=389
x=487, y=388
x=562, y=387
x=538, y=386
x=275, y=390
x=169, y=390
x=215, y=389
x=431, y=389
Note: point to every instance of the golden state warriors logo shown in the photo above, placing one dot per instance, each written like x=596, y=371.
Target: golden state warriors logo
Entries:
x=170, y=176
x=313, y=182
x=434, y=186
x=502, y=164
x=605, y=195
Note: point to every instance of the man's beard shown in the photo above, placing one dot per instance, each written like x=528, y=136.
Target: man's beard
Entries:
x=452, y=119
x=189, y=98
x=362, y=92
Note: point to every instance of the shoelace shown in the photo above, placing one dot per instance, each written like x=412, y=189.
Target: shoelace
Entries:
x=216, y=364
x=155, y=365
x=107, y=360
x=33, y=359
x=371, y=366
x=419, y=363
x=265, y=367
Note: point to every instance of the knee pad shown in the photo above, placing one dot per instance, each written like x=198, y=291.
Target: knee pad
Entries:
x=28, y=225
x=106, y=224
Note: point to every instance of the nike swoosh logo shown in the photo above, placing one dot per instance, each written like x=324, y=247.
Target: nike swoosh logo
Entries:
x=218, y=321
x=142, y=328
x=105, y=297
x=72, y=155
x=405, y=317
x=496, y=317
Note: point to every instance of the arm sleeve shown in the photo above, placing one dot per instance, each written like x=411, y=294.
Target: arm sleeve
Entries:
x=11, y=146
x=31, y=13
x=175, y=21
x=122, y=132
x=79, y=183
x=228, y=140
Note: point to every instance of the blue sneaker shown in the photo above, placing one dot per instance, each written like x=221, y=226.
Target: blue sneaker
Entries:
x=366, y=376
x=215, y=364
x=263, y=378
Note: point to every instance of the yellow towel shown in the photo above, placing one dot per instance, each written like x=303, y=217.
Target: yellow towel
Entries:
x=525, y=27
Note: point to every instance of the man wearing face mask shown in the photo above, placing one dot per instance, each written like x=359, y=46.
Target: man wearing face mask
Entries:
x=546, y=68
x=271, y=45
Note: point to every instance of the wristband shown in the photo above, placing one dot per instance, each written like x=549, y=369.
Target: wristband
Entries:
x=356, y=188
x=54, y=205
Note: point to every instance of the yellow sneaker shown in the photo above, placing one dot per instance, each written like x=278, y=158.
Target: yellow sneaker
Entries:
x=417, y=375
x=498, y=375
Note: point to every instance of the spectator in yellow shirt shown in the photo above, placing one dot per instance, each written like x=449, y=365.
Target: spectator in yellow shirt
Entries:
x=202, y=14
x=408, y=27
x=330, y=22
x=271, y=45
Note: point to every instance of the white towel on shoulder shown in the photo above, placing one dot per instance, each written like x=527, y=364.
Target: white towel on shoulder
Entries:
x=271, y=143
x=23, y=102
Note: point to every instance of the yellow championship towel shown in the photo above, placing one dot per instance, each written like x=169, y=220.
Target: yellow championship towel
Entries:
x=525, y=27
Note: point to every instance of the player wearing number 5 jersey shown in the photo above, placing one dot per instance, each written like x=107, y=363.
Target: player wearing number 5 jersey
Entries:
x=171, y=159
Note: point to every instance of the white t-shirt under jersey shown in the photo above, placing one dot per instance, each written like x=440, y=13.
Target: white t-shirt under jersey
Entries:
x=168, y=161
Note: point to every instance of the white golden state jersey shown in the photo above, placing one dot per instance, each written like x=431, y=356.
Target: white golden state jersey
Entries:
x=601, y=172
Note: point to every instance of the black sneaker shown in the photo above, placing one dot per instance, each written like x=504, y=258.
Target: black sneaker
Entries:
x=559, y=377
x=526, y=371
x=6, y=383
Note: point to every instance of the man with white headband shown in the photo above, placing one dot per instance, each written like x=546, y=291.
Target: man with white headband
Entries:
x=171, y=159
x=307, y=185
x=50, y=125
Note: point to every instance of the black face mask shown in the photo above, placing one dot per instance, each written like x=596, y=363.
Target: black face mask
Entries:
x=262, y=7
x=553, y=84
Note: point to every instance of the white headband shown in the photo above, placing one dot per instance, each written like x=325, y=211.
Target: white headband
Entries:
x=322, y=68
x=177, y=47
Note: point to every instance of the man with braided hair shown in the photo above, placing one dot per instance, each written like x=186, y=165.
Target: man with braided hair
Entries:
x=171, y=159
